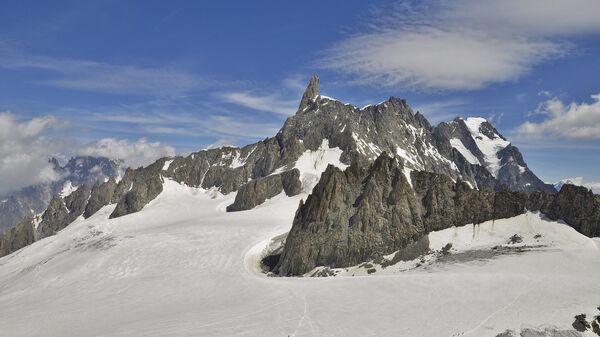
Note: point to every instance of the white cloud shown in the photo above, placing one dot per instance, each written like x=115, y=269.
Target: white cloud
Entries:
x=24, y=152
x=27, y=145
x=269, y=103
x=574, y=121
x=133, y=154
x=460, y=45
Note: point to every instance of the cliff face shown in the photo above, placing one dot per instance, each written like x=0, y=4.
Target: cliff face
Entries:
x=361, y=214
x=19, y=236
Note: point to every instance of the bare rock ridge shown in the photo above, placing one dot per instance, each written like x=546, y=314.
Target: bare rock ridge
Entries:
x=364, y=213
x=262, y=170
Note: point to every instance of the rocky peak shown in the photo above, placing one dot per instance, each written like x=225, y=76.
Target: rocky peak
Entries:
x=311, y=93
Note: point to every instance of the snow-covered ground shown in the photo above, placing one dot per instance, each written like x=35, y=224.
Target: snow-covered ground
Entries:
x=184, y=267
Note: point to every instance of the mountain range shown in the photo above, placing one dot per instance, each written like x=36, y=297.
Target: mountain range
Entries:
x=451, y=213
x=33, y=200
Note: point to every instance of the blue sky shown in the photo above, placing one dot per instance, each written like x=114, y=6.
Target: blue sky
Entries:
x=157, y=78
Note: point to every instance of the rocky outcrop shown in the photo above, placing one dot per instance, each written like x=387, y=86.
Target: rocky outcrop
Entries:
x=62, y=211
x=101, y=195
x=13, y=239
x=575, y=205
x=361, y=214
x=144, y=186
x=257, y=191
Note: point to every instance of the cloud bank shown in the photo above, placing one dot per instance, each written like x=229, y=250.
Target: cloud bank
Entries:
x=133, y=154
x=24, y=152
x=27, y=145
x=460, y=45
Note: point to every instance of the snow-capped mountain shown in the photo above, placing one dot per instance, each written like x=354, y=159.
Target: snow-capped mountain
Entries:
x=481, y=144
x=34, y=199
x=184, y=245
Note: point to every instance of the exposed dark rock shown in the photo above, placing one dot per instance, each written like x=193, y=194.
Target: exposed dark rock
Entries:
x=62, y=211
x=581, y=324
x=15, y=238
x=257, y=191
x=144, y=187
x=101, y=195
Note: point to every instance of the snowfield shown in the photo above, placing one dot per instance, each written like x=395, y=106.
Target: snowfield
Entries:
x=184, y=267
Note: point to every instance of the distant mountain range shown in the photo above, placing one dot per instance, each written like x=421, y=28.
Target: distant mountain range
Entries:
x=33, y=200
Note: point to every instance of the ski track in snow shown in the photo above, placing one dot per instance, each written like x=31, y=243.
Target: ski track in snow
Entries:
x=184, y=267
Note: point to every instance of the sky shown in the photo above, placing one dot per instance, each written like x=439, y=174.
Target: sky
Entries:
x=139, y=80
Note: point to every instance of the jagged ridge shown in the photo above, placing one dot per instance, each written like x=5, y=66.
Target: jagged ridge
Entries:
x=362, y=213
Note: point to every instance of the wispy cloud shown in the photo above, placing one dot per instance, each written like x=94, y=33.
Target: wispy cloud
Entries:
x=192, y=118
x=93, y=76
x=460, y=45
x=282, y=100
x=440, y=111
x=269, y=103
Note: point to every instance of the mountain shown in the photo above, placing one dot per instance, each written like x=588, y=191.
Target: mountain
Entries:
x=33, y=200
x=347, y=134
x=481, y=144
x=181, y=247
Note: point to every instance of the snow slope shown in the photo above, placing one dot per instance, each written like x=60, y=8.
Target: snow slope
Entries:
x=469, y=156
x=183, y=267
